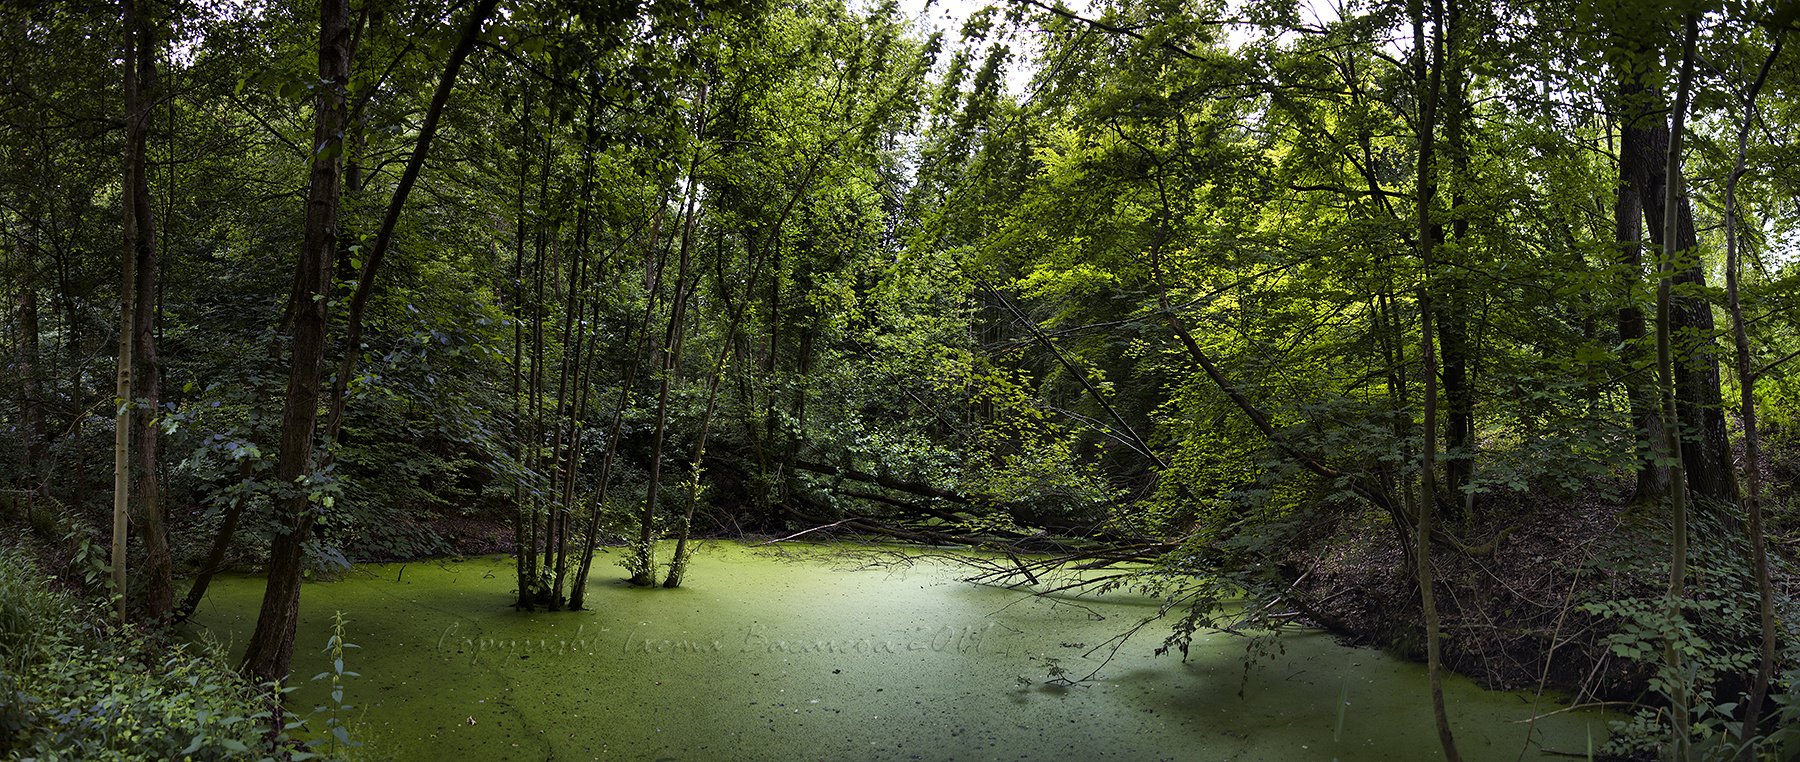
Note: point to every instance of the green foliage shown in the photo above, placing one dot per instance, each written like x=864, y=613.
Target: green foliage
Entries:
x=337, y=733
x=639, y=559
x=25, y=607
x=1714, y=630
x=1228, y=583
x=73, y=690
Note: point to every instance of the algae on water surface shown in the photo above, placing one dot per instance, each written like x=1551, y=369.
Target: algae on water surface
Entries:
x=791, y=655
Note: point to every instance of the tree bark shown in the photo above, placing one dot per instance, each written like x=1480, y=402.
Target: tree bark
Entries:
x=147, y=514
x=1706, y=449
x=1747, y=376
x=136, y=242
x=271, y=647
x=1429, y=78
x=1668, y=271
x=1628, y=222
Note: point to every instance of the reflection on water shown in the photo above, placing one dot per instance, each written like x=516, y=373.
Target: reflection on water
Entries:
x=795, y=655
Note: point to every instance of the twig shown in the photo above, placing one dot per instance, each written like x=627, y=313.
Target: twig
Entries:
x=803, y=531
x=1549, y=656
x=1572, y=708
x=1022, y=569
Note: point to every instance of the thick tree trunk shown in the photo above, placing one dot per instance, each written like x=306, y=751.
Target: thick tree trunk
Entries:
x=271, y=645
x=1706, y=449
x=1456, y=352
x=1628, y=222
x=148, y=514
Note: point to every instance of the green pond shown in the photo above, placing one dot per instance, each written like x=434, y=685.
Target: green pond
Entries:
x=801, y=653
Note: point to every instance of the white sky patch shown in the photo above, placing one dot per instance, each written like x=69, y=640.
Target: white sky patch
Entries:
x=948, y=17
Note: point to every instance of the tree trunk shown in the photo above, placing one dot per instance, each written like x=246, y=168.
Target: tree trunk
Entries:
x=137, y=241
x=1706, y=450
x=1747, y=376
x=642, y=331
x=145, y=491
x=678, y=563
x=644, y=569
x=31, y=408
x=1628, y=222
x=524, y=540
x=1669, y=265
x=644, y=566
x=1453, y=321
x=1428, y=78
x=271, y=647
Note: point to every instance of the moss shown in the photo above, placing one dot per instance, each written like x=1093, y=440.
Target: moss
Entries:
x=778, y=655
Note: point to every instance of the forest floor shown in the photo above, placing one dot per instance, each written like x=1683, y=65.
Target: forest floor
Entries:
x=1503, y=611
x=1525, y=607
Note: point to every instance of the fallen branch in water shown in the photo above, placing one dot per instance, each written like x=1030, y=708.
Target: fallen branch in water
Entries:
x=1589, y=705
x=801, y=532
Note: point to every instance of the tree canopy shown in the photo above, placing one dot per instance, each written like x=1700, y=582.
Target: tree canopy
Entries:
x=1182, y=278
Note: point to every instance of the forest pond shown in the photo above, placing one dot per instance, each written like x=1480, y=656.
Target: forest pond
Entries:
x=797, y=653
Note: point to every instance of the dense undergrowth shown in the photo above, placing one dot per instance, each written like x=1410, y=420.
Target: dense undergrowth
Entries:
x=73, y=686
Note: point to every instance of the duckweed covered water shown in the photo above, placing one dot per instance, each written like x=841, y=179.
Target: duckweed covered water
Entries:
x=794, y=655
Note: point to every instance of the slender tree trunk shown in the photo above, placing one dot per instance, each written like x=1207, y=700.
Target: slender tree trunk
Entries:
x=534, y=396
x=145, y=491
x=271, y=647
x=31, y=402
x=763, y=434
x=652, y=258
x=77, y=379
x=678, y=564
x=137, y=241
x=1759, y=552
x=32, y=410
x=259, y=434
x=524, y=545
x=644, y=572
x=384, y=236
x=1428, y=76
x=568, y=421
x=1674, y=202
x=589, y=333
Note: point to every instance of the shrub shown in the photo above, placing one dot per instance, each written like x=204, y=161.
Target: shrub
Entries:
x=72, y=688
